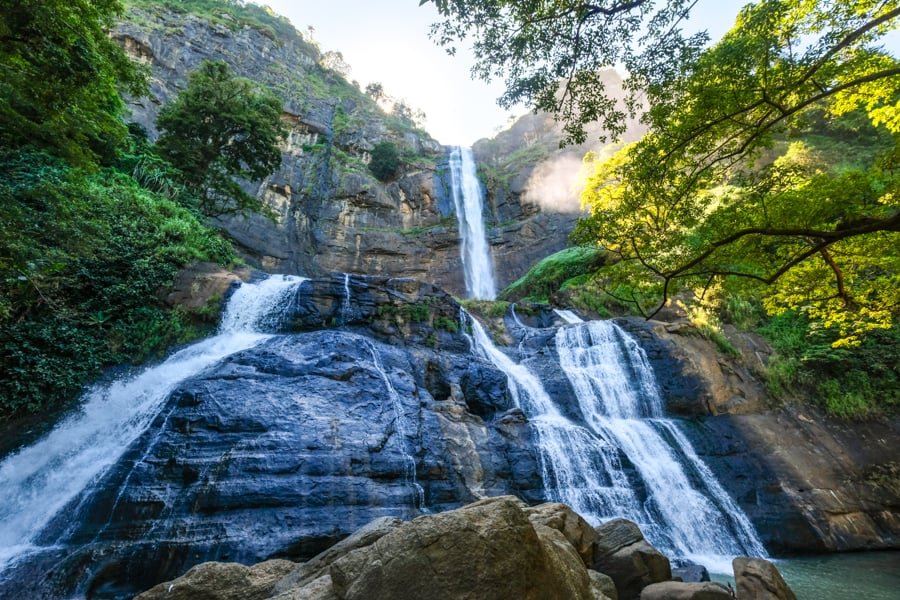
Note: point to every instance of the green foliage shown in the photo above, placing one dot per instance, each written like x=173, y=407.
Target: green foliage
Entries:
x=537, y=45
x=385, y=161
x=489, y=309
x=412, y=312
x=447, y=324
x=704, y=196
x=60, y=75
x=219, y=128
x=82, y=259
x=550, y=274
x=851, y=383
x=234, y=14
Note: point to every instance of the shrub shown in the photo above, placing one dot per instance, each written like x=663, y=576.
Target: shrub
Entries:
x=385, y=161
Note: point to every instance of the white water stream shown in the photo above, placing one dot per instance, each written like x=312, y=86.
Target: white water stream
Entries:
x=41, y=479
x=478, y=265
x=400, y=431
x=624, y=459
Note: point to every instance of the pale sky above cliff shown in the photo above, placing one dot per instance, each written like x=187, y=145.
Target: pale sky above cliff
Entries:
x=387, y=41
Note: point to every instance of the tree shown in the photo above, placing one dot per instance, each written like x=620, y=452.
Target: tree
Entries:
x=334, y=61
x=375, y=91
x=60, y=76
x=385, y=161
x=220, y=128
x=552, y=54
x=690, y=205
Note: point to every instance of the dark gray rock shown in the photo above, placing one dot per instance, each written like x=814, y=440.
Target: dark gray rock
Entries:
x=285, y=449
x=688, y=571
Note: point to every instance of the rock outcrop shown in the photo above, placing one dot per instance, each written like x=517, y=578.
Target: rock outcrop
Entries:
x=493, y=549
x=758, y=579
x=285, y=449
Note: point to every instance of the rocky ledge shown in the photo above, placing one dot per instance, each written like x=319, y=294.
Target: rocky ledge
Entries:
x=493, y=549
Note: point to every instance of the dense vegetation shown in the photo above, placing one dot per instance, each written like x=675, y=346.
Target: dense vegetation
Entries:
x=385, y=161
x=219, y=128
x=769, y=177
x=94, y=223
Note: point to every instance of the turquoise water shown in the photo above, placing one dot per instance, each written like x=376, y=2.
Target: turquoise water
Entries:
x=858, y=576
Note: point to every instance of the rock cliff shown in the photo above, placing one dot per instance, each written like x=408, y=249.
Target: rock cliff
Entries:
x=331, y=214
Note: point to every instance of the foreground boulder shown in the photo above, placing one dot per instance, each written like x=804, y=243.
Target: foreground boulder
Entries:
x=622, y=553
x=489, y=550
x=677, y=590
x=758, y=579
x=223, y=581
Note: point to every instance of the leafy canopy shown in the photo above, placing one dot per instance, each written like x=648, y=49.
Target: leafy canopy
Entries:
x=385, y=161
x=702, y=197
x=552, y=54
x=60, y=76
x=219, y=128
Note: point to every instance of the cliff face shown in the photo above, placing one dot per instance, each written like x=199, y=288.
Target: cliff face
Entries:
x=331, y=214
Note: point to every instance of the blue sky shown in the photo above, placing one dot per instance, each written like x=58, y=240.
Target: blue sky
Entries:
x=387, y=41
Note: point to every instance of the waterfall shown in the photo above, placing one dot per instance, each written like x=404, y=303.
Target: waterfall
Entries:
x=686, y=512
x=478, y=266
x=41, y=479
x=568, y=316
x=624, y=459
x=400, y=430
x=346, y=307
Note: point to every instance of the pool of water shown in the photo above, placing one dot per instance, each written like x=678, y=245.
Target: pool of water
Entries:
x=857, y=576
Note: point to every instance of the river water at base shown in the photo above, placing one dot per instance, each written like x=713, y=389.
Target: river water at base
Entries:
x=856, y=576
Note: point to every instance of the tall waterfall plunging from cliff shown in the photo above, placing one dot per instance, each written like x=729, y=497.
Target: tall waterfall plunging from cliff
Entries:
x=622, y=459
x=478, y=265
x=41, y=479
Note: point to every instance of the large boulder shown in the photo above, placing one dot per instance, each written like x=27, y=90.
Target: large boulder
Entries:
x=487, y=550
x=222, y=581
x=317, y=568
x=677, y=590
x=576, y=530
x=603, y=587
x=758, y=579
x=632, y=563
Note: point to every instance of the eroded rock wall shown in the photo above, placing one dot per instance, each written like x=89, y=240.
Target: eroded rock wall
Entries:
x=330, y=213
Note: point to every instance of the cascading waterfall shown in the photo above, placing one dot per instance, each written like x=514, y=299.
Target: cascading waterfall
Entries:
x=400, y=430
x=478, y=266
x=686, y=511
x=39, y=480
x=583, y=470
x=568, y=316
x=624, y=445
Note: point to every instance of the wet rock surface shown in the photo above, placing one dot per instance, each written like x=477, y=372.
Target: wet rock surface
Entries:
x=285, y=449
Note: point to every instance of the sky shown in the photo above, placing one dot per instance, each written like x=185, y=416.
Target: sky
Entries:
x=387, y=41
